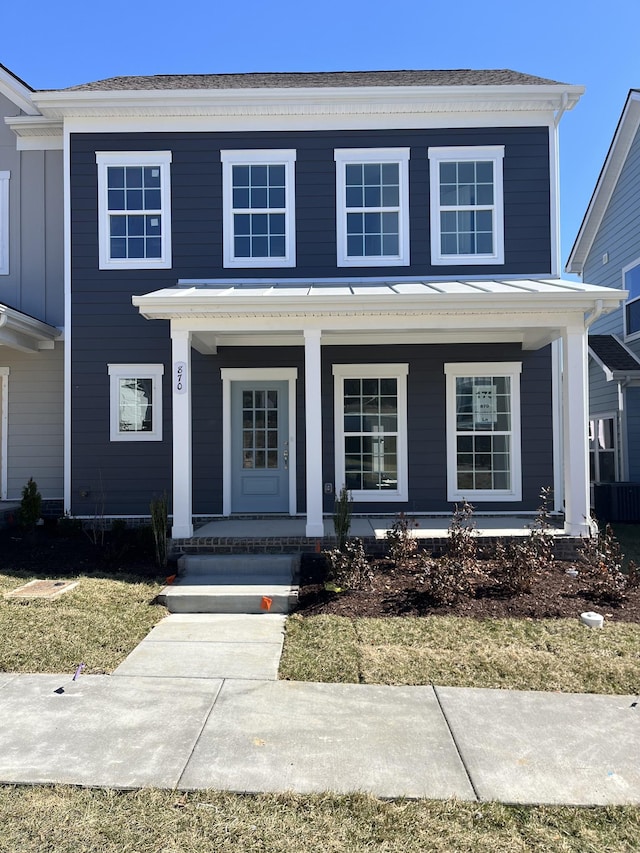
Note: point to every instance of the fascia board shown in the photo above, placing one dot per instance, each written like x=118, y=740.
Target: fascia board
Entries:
x=36, y=132
x=28, y=326
x=501, y=307
x=337, y=99
x=623, y=137
x=17, y=92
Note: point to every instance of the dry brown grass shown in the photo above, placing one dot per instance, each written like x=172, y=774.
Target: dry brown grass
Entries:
x=519, y=654
x=68, y=820
x=98, y=623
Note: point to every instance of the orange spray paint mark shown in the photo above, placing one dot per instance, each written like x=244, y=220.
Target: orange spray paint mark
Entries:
x=266, y=602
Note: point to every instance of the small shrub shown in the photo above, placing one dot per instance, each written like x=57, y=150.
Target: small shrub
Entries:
x=452, y=576
x=159, y=521
x=462, y=534
x=447, y=579
x=30, y=506
x=67, y=525
x=601, y=566
x=342, y=516
x=633, y=575
x=348, y=568
x=402, y=545
x=518, y=565
x=522, y=560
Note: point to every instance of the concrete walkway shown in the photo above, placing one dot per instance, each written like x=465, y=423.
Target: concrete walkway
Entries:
x=196, y=707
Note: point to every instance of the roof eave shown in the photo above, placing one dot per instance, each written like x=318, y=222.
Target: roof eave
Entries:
x=538, y=97
x=606, y=183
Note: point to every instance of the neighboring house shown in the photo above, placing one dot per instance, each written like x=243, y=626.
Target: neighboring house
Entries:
x=607, y=252
x=31, y=303
x=280, y=284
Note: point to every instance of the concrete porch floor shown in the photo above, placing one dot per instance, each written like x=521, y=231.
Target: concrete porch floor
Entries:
x=364, y=527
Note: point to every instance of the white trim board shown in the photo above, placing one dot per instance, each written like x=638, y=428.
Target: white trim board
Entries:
x=4, y=431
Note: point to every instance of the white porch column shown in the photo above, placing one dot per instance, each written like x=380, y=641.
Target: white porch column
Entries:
x=575, y=405
x=313, y=427
x=182, y=462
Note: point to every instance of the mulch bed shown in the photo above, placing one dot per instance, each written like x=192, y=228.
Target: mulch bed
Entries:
x=394, y=592
x=400, y=592
x=51, y=553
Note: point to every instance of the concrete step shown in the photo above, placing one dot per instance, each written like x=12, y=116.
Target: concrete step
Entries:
x=272, y=565
x=200, y=595
x=237, y=583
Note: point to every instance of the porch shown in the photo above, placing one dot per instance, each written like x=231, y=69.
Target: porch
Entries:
x=284, y=534
x=477, y=332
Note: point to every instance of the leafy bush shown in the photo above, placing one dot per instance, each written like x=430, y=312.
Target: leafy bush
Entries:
x=451, y=577
x=348, y=568
x=30, y=506
x=522, y=560
x=447, y=579
x=402, y=545
x=159, y=520
x=342, y=516
x=601, y=567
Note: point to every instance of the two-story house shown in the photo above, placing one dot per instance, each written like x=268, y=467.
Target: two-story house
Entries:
x=280, y=284
x=31, y=300
x=607, y=252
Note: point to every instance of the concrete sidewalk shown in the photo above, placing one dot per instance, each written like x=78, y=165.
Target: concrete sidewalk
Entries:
x=265, y=735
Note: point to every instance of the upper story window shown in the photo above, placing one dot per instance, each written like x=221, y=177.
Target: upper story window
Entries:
x=134, y=210
x=467, y=216
x=631, y=282
x=372, y=193
x=4, y=223
x=258, y=190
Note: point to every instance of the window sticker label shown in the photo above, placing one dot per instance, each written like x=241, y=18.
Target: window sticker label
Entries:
x=484, y=404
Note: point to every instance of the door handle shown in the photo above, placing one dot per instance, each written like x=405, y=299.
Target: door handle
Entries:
x=285, y=456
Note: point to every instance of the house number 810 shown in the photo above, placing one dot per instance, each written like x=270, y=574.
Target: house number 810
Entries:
x=180, y=377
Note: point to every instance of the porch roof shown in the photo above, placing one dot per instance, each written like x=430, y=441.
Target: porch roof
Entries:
x=275, y=311
x=23, y=332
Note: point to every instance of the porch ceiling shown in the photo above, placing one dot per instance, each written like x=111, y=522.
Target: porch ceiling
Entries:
x=275, y=312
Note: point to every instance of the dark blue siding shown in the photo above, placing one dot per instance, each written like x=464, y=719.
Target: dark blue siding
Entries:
x=123, y=476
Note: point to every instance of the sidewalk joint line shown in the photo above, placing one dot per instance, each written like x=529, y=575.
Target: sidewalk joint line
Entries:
x=457, y=746
x=199, y=735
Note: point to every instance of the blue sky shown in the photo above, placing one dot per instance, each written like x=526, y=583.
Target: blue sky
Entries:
x=587, y=42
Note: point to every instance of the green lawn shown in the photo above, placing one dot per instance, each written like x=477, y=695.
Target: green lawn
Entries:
x=520, y=654
x=98, y=623
x=69, y=820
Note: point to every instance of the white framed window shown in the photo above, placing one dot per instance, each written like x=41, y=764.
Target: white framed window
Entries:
x=135, y=402
x=371, y=430
x=4, y=222
x=258, y=197
x=603, y=449
x=372, y=207
x=631, y=282
x=466, y=205
x=134, y=209
x=483, y=431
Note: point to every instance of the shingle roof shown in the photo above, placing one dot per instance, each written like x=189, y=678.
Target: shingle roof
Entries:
x=321, y=79
x=613, y=354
